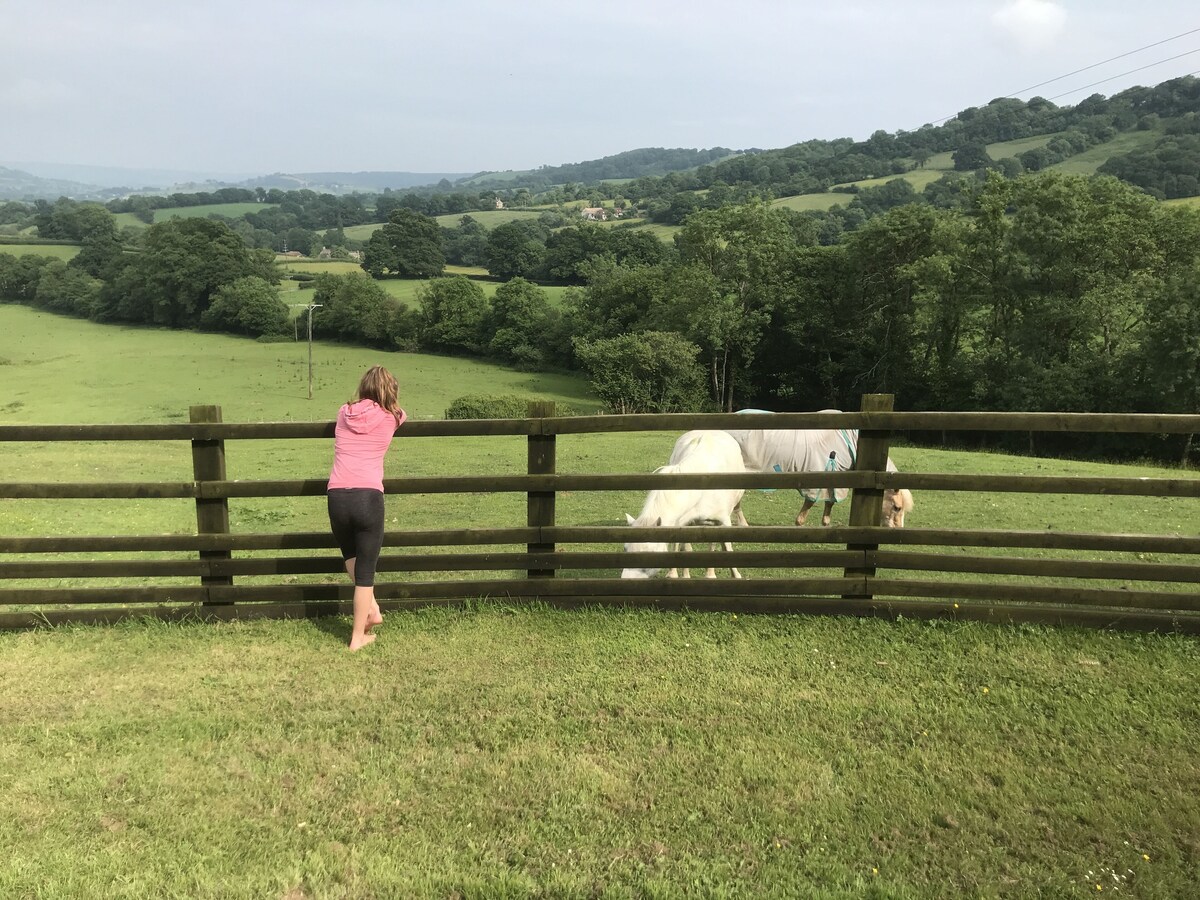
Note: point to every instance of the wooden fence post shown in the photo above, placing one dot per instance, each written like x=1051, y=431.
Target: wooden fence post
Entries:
x=212, y=514
x=540, y=504
x=866, y=504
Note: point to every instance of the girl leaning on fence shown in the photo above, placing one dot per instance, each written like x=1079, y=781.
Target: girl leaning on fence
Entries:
x=364, y=431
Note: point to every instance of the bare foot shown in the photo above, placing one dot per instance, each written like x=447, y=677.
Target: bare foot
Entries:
x=374, y=619
x=359, y=643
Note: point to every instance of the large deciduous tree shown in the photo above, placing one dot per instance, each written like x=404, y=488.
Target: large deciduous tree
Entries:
x=646, y=372
x=522, y=327
x=183, y=263
x=352, y=307
x=515, y=249
x=453, y=315
x=409, y=246
x=250, y=306
x=743, y=253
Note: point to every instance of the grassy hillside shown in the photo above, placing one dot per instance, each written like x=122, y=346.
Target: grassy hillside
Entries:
x=152, y=374
x=58, y=251
x=228, y=210
x=1087, y=162
x=808, y=202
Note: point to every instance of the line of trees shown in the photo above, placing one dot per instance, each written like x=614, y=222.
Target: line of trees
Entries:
x=1045, y=292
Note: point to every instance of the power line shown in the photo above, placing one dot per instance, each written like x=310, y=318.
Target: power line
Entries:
x=1123, y=74
x=1101, y=81
x=1104, y=62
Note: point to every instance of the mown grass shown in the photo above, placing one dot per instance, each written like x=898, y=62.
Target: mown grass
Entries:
x=807, y=202
x=58, y=251
x=1087, y=162
x=518, y=751
x=123, y=373
x=228, y=210
x=488, y=218
x=500, y=752
x=918, y=178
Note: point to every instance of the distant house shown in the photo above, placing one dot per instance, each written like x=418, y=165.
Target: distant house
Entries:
x=292, y=254
x=499, y=203
x=594, y=213
x=356, y=255
x=325, y=253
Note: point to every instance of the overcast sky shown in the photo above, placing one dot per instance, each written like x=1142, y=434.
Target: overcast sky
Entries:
x=258, y=86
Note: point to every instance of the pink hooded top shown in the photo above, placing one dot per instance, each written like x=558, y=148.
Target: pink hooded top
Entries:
x=361, y=438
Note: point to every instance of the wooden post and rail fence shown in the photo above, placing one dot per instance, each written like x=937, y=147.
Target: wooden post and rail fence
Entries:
x=861, y=569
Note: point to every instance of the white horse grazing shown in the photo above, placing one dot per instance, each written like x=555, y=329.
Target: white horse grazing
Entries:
x=696, y=451
x=815, y=450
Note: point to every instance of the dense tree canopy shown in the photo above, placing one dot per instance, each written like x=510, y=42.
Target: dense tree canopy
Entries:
x=409, y=245
x=181, y=266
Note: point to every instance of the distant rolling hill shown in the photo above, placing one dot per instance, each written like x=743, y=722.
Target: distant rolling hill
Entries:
x=49, y=181
x=348, y=182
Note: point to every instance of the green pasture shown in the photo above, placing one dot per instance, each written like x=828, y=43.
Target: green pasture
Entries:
x=488, y=218
x=509, y=175
x=403, y=289
x=809, y=202
x=317, y=266
x=1087, y=162
x=58, y=251
x=228, y=210
x=517, y=751
x=128, y=220
x=919, y=178
x=522, y=752
x=1184, y=201
x=361, y=232
x=665, y=233
x=1003, y=149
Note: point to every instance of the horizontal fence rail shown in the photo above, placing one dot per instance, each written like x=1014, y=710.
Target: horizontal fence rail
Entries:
x=520, y=484
x=975, y=574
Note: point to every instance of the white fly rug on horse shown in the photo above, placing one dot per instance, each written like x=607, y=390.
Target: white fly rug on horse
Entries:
x=809, y=450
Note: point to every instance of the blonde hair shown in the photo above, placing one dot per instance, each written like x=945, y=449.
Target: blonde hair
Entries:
x=380, y=385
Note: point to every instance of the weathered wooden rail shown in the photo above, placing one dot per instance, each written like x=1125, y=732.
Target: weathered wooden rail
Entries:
x=831, y=570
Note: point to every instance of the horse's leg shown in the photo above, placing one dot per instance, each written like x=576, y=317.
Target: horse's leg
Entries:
x=740, y=516
x=827, y=516
x=686, y=548
x=728, y=548
x=803, y=515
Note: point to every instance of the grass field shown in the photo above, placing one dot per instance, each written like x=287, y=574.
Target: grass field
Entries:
x=496, y=752
x=58, y=251
x=489, y=218
x=128, y=220
x=919, y=178
x=403, y=289
x=228, y=210
x=808, y=202
x=1087, y=162
x=505, y=751
x=997, y=150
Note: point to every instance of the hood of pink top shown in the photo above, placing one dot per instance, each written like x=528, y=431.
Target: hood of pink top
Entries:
x=364, y=415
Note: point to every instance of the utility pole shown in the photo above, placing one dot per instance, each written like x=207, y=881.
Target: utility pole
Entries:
x=310, y=307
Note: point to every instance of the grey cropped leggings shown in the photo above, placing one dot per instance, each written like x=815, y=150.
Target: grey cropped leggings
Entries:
x=356, y=517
